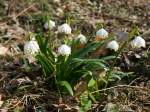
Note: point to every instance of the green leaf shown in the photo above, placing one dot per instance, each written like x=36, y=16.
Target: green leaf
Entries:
x=92, y=97
x=106, y=58
x=86, y=103
x=105, y=81
x=122, y=74
x=46, y=64
x=91, y=83
x=68, y=86
x=87, y=49
x=116, y=76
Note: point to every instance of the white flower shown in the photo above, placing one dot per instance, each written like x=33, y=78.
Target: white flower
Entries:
x=49, y=24
x=138, y=42
x=31, y=47
x=113, y=45
x=81, y=38
x=102, y=33
x=64, y=50
x=65, y=28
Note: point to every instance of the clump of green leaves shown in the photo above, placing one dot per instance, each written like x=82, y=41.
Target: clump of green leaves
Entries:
x=68, y=70
x=64, y=71
x=85, y=104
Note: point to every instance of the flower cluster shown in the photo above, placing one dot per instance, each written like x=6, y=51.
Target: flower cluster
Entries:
x=32, y=47
x=137, y=42
x=103, y=34
x=64, y=28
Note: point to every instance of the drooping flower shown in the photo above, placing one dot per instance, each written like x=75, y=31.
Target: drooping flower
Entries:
x=113, y=45
x=81, y=38
x=49, y=24
x=31, y=47
x=64, y=50
x=65, y=28
x=138, y=42
x=101, y=34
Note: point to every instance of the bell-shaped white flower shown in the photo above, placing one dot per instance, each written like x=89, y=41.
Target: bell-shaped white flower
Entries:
x=31, y=47
x=64, y=50
x=81, y=38
x=101, y=33
x=113, y=45
x=138, y=42
x=49, y=24
x=65, y=28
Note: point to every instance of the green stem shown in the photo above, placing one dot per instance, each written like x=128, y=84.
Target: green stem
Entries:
x=57, y=84
x=117, y=54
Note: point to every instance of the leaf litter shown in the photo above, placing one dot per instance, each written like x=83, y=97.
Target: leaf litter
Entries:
x=19, y=88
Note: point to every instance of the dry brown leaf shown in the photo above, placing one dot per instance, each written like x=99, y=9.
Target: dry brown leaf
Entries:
x=4, y=110
x=1, y=103
x=3, y=50
x=80, y=88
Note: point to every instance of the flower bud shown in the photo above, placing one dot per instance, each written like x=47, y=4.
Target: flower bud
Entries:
x=138, y=42
x=49, y=25
x=65, y=28
x=64, y=50
x=81, y=38
x=101, y=34
x=31, y=47
x=113, y=45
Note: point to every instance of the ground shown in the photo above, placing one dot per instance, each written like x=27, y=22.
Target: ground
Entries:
x=19, y=86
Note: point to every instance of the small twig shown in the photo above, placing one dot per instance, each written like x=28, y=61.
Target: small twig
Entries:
x=25, y=10
x=146, y=32
x=20, y=101
x=19, y=14
x=4, y=23
x=120, y=86
x=135, y=80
